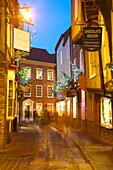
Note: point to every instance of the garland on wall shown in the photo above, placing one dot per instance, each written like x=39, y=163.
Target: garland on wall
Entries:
x=21, y=54
x=67, y=80
x=23, y=86
x=76, y=70
x=23, y=76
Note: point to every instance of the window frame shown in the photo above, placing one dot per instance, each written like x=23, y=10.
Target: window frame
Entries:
x=11, y=75
x=52, y=78
x=29, y=92
x=40, y=92
x=49, y=92
x=61, y=56
x=10, y=98
x=52, y=110
x=29, y=68
x=41, y=70
x=106, y=112
x=39, y=112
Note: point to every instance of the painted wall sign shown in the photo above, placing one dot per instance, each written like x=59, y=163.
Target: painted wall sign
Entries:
x=92, y=38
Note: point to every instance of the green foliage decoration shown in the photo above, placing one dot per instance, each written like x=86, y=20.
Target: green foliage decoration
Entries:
x=22, y=73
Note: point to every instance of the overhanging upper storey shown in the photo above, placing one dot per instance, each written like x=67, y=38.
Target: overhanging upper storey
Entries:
x=77, y=20
x=85, y=13
x=91, y=11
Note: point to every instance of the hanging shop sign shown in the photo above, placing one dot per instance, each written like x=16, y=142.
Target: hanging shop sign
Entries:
x=72, y=92
x=109, y=86
x=92, y=38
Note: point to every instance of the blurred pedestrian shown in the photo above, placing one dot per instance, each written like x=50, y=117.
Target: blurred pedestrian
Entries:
x=27, y=114
x=35, y=116
x=48, y=117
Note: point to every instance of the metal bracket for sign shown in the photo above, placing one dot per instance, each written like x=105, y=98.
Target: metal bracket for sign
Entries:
x=91, y=23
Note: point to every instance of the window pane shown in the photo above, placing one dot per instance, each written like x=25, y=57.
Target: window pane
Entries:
x=61, y=57
x=38, y=91
x=39, y=108
x=92, y=64
x=50, y=93
x=50, y=108
x=10, y=84
x=28, y=74
x=28, y=93
x=50, y=75
x=10, y=99
x=38, y=73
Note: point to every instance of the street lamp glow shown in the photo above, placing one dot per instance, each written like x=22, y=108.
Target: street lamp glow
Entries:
x=26, y=15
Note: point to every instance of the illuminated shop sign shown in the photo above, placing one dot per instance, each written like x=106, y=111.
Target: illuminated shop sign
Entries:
x=92, y=38
x=21, y=40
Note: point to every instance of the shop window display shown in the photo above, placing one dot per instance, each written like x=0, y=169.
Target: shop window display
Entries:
x=106, y=112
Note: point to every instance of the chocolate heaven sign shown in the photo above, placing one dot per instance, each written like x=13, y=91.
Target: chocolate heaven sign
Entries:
x=92, y=38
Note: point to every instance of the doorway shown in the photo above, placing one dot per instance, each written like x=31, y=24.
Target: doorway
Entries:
x=28, y=104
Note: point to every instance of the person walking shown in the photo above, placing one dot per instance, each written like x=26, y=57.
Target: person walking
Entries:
x=35, y=116
x=27, y=114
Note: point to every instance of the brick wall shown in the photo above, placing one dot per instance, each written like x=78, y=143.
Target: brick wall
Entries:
x=3, y=89
x=44, y=82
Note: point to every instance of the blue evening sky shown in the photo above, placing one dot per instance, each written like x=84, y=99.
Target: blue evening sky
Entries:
x=51, y=18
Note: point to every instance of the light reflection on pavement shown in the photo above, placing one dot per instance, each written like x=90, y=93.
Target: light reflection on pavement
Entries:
x=54, y=153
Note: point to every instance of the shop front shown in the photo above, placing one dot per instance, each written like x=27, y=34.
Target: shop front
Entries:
x=106, y=112
x=106, y=119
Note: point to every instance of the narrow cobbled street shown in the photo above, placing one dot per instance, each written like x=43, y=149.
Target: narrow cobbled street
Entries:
x=34, y=147
x=56, y=151
x=47, y=147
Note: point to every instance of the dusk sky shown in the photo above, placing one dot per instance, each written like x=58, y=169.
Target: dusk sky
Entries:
x=51, y=18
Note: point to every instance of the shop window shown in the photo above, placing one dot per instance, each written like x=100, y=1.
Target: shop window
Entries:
x=62, y=108
x=81, y=61
x=106, y=112
x=49, y=74
x=39, y=73
x=75, y=107
x=58, y=108
x=68, y=107
x=83, y=105
x=39, y=90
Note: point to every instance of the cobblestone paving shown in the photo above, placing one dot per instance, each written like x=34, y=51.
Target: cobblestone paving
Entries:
x=54, y=152
x=15, y=163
